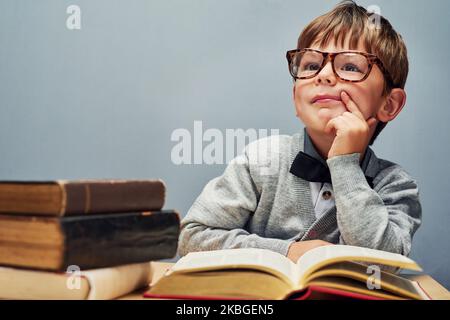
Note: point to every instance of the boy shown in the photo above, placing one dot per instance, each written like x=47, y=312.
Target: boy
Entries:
x=329, y=187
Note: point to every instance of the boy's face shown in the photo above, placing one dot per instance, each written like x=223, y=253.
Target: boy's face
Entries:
x=366, y=94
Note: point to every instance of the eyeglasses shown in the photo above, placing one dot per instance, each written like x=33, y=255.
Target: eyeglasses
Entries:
x=350, y=66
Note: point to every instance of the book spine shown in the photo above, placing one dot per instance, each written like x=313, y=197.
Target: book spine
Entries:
x=112, y=197
x=107, y=241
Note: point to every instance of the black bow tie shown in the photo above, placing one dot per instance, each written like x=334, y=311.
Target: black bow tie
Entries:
x=311, y=169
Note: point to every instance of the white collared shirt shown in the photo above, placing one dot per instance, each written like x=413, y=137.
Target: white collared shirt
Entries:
x=322, y=197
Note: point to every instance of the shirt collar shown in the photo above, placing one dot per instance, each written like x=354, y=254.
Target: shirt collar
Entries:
x=369, y=164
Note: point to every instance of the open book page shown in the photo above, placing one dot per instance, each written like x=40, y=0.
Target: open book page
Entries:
x=350, y=285
x=321, y=256
x=230, y=283
x=385, y=281
x=243, y=258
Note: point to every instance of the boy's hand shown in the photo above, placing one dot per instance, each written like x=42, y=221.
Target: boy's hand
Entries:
x=297, y=249
x=352, y=130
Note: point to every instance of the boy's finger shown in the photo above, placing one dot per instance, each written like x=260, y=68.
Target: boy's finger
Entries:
x=351, y=106
x=372, y=122
x=335, y=124
x=329, y=126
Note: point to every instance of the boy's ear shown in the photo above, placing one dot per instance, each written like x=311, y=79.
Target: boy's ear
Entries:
x=395, y=101
x=293, y=99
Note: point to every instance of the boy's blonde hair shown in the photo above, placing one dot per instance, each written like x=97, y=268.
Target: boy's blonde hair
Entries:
x=375, y=32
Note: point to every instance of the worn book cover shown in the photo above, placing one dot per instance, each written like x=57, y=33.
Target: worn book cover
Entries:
x=91, y=241
x=80, y=197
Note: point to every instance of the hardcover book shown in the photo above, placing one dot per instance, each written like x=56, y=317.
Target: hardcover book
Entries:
x=91, y=241
x=80, y=197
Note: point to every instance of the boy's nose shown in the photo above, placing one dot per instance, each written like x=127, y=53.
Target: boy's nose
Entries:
x=326, y=75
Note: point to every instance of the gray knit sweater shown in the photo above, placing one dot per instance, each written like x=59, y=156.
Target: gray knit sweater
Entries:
x=258, y=203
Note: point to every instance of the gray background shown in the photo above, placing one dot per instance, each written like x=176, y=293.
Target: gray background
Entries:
x=102, y=102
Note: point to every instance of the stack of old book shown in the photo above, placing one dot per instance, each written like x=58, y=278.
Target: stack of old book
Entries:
x=85, y=239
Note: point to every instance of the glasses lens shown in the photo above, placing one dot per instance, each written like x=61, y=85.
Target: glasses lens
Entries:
x=351, y=66
x=306, y=64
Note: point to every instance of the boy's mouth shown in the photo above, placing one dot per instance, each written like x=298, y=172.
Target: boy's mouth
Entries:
x=326, y=98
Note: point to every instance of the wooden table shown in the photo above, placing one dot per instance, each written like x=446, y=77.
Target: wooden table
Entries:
x=431, y=286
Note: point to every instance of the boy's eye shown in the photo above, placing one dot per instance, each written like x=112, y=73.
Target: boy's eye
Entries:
x=350, y=68
x=310, y=67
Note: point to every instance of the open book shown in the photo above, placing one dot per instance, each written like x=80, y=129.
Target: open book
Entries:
x=323, y=272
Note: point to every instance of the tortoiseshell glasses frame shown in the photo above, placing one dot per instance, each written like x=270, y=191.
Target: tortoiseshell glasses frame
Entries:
x=370, y=59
